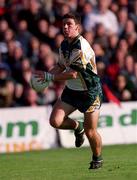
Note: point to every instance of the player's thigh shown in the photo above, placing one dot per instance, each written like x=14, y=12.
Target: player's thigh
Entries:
x=91, y=119
x=60, y=111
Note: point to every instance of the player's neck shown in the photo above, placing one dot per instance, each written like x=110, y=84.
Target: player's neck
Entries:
x=70, y=40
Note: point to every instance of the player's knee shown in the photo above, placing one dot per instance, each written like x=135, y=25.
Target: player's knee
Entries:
x=90, y=132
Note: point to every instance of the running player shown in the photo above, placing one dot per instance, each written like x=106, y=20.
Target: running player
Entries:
x=83, y=91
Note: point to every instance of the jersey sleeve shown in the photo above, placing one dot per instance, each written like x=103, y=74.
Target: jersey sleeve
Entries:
x=83, y=58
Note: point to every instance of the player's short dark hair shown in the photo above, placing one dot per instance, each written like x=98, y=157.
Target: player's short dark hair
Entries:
x=72, y=15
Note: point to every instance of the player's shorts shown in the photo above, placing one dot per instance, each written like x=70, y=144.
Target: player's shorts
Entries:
x=84, y=101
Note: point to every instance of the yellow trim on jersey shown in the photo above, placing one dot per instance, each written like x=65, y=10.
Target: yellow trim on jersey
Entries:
x=93, y=64
x=96, y=105
x=83, y=59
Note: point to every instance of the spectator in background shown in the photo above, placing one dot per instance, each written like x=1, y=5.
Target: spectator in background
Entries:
x=26, y=72
x=82, y=3
x=114, y=7
x=129, y=28
x=3, y=45
x=11, y=13
x=121, y=89
x=48, y=8
x=52, y=32
x=73, y=5
x=11, y=45
x=9, y=41
x=46, y=63
x=44, y=51
x=117, y=64
x=123, y=45
x=101, y=36
x=9, y=35
x=9, y=93
x=43, y=26
x=132, y=43
x=57, y=41
x=122, y=3
x=102, y=73
x=135, y=89
x=133, y=13
x=25, y=64
x=128, y=70
x=104, y=16
x=122, y=19
x=30, y=97
x=47, y=5
x=120, y=58
x=89, y=36
x=23, y=35
x=32, y=15
x=105, y=79
x=15, y=62
x=26, y=69
x=135, y=72
x=3, y=27
x=18, y=94
x=112, y=46
x=87, y=8
x=33, y=53
x=60, y=8
x=6, y=86
x=24, y=5
x=100, y=53
x=2, y=7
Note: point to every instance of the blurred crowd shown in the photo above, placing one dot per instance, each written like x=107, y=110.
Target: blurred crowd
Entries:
x=30, y=35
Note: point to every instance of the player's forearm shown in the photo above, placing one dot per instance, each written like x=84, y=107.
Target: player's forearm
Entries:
x=56, y=70
x=60, y=75
x=54, y=76
x=65, y=76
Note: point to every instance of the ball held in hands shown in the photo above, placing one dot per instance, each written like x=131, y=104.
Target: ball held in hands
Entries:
x=37, y=85
x=48, y=76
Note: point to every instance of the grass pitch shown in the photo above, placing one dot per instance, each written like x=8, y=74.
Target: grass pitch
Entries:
x=120, y=163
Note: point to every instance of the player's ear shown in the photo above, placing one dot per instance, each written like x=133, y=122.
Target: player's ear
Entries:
x=77, y=27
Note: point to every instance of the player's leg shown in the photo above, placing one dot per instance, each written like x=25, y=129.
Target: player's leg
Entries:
x=90, y=127
x=59, y=116
x=59, y=119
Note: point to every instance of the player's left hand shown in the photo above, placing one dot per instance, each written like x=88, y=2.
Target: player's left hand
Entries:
x=39, y=75
x=43, y=76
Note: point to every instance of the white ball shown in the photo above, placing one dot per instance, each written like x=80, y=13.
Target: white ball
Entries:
x=38, y=86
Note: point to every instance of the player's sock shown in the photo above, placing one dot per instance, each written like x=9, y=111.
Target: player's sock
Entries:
x=96, y=158
x=79, y=135
x=80, y=127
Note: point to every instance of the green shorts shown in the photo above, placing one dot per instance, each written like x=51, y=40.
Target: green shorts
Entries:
x=84, y=101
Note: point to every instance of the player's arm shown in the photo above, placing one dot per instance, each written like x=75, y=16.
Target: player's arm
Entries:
x=57, y=69
x=55, y=74
x=66, y=75
x=59, y=74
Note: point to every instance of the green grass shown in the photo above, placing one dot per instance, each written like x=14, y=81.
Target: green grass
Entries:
x=120, y=162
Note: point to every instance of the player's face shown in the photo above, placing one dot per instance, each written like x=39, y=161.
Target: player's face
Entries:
x=70, y=28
